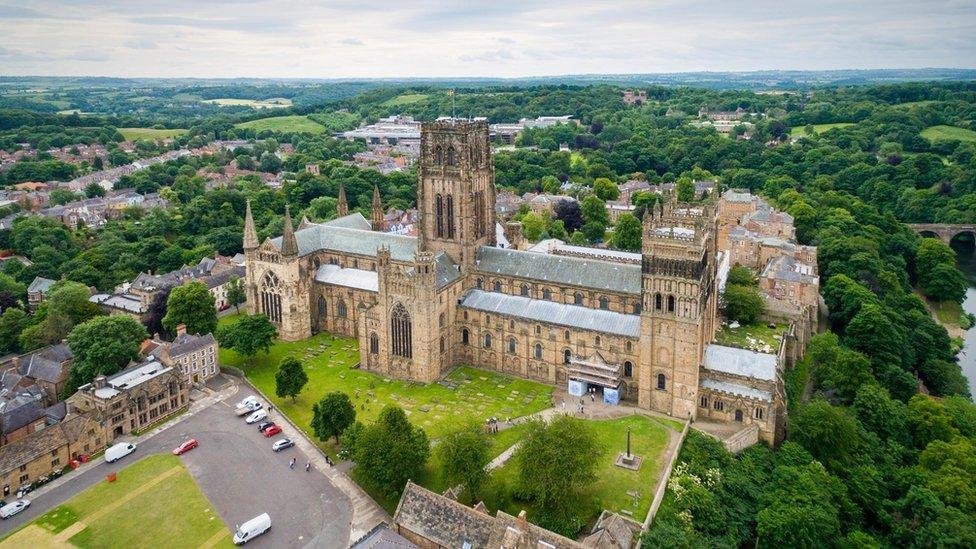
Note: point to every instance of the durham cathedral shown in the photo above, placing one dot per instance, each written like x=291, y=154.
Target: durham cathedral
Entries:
x=640, y=329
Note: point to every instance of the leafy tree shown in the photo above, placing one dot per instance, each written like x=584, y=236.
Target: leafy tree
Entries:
x=464, y=454
x=557, y=230
x=290, y=378
x=94, y=190
x=929, y=420
x=627, y=233
x=743, y=276
x=605, y=189
x=946, y=283
x=685, y=189
x=743, y=303
x=594, y=211
x=332, y=415
x=569, y=212
x=555, y=462
x=61, y=196
x=247, y=336
x=826, y=432
x=533, y=226
x=102, y=346
x=389, y=451
x=236, y=293
x=12, y=323
x=594, y=232
x=193, y=305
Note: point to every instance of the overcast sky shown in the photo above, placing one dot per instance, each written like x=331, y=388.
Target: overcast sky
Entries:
x=375, y=38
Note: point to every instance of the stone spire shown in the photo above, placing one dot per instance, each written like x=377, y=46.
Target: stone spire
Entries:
x=250, y=233
x=343, y=205
x=289, y=245
x=376, y=215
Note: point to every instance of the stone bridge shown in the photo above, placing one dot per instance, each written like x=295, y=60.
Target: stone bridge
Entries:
x=944, y=231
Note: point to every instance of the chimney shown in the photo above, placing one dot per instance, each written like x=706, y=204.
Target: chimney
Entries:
x=99, y=382
x=180, y=329
x=520, y=522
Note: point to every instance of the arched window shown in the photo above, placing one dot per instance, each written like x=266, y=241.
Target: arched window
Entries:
x=487, y=341
x=525, y=291
x=662, y=382
x=538, y=329
x=567, y=356
x=464, y=336
x=450, y=216
x=439, y=216
x=323, y=308
x=271, y=297
x=497, y=286
x=718, y=405
x=450, y=156
x=341, y=308
x=538, y=351
x=604, y=303
x=440, y=320
x=442, y=344
x=578, y=298
x=670, y=303
x=628, y=369
x=758, y=413
x=374, y=343
x=480, y=282
x=629, y=346
x=597, y=341
x=438, y=154
x=637, y=308
x=704, y=402
x=566, y=335
x=738, y=416
x=657, y=302
x=401, y=331
x=511, y=345
x=547, y=294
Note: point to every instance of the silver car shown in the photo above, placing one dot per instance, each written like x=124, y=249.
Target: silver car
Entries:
x=282, y=444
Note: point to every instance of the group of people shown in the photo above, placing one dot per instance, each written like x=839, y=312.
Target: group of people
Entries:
x=308, y=464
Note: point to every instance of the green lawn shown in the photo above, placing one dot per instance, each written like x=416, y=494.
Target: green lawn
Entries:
x=132, y=134
x=154, y=499
x=800, y=131
x=948, y=133
x=404, y=99
x=755, y=337
x=649, y=439
x=274, y=102
x=287, y=124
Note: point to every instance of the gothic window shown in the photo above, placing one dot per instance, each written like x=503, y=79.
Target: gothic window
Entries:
x=637, y=308
x=450, y=216
x=442, y=344
x=511, y=345
x=662, y=382
x=439, y=216
x=657, y=302
x=440, y=320
x=479, y=214
x=487, y=341
x=704, y=402
x=538, y=351
x=630, y=346
x=566, y=335
x=480, y=283
x=401, y=332
x=604, y=303
x=718, y=405
x=628, y=369
x=578, y=298
x=451, y=156
x=670, y=303
x=271, y=297
x=374, y=343
x=341, y=307
x=597, y=341
x=547, y=294
x=567, y=356
x=323, y=308
x=438, y=155
x=758, y=413
x=464, y=336
x=525, y=291
x=738, y=416
x=497, y=286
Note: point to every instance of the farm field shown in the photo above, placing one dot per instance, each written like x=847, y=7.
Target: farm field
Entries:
x=294, y=123
x=153, y=499
x=133, y=134
x=274, y=102
x=404, y=99
x=948, y=133
x=800, y=131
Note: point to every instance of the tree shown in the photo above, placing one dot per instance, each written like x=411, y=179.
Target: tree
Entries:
x=61, y=196
x=743, y=303
x=946, y=283
x=12, y=323
x=464, y=454
x=332, y=415
x=389, y=451
x=569, y=212
x=685, y=189
x=192, y=305
x=627, y=233
x=533, y=226
x=290, y=378
x=247, y=336
x=741, y=276
x=594, y=211
x=236, y=293
x=605, y=189
x=594, y=232
x=826, y=432
x=929, y=421
x=94, y=190
x=102, y=346
x=555, y=462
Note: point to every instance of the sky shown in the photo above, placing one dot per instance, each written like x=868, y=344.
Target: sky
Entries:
x=495, y=38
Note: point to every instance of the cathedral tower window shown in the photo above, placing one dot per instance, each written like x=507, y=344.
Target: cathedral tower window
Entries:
x=657, y=302
x=401, y=332
x=439, y=216
x=670, y=303
x=271, y=297
x=451, y=156
x=450, y=216
x=438, y=154
x=662, y=382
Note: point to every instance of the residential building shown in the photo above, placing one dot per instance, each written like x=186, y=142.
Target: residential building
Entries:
x=43, y=452
x=47, y=367
x=37, y=290
x=635, y=97
x=195, y=356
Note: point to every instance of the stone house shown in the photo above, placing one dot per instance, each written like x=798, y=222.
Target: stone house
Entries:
x=37, y=290
x=43, y=452
x=47, y=367
x=195, y=356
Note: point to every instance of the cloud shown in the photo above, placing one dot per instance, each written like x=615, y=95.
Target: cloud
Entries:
x=497, y=55
x=352, y=42
x=19, y=12
x=140, y=44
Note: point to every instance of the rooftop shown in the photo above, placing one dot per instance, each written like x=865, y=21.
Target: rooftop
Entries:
x=588, y=273
x=740, y=362
x=131, y=377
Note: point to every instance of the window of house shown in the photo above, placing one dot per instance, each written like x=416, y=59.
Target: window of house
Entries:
x=24, y=478
x=55, y=462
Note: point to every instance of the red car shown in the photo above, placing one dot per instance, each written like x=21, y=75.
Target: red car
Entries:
x=185, y=447
x=272, y=431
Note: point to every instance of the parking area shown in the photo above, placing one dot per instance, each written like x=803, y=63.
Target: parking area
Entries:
x=240, y=475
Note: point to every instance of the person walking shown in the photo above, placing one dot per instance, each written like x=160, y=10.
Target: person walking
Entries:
x=291, y=464
x=307, y=465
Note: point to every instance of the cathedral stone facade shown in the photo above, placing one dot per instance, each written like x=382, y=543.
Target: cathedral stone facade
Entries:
x=419, y=306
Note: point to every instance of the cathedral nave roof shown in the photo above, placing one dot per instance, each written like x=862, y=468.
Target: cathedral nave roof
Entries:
x=550, y=312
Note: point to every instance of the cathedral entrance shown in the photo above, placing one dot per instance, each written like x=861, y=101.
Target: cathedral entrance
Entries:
x=594, y=376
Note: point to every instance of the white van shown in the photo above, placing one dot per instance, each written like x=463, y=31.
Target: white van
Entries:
x=252, y=529
x=119, y=451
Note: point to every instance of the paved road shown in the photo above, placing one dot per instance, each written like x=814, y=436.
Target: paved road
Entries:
x=240, y=475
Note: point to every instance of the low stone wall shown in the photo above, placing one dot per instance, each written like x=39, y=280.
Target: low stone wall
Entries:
x=743, y=439
x=663, y=484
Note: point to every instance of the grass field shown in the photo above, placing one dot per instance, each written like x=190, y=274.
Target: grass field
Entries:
x=404, y=99
x=274, y=102
x=132, y=134
x=801, y=131
x=758, y=337
x=948, y=133
x=286, y=124
x=649, y=439
x=153, y=499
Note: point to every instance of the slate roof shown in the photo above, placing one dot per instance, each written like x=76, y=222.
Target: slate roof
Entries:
x=19, y=411
x=740, y=362
x=381, y=537
x=442, y=520
x=350, y=278
x=30, y=448
x=354, y=241
x=613, y=530
x=351, y=221
x=507, y=531
x=550, y=312
x=188, y=343
x=587, y=273
x=737, y=389
x=40, y=285
x=47, y=364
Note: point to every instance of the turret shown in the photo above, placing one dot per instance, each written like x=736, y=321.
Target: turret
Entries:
x=343, y=205
x=250, y=233
x=289, y=244
x=376, y=214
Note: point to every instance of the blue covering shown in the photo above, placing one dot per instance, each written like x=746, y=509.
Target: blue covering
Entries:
x=611, y=396
x=577, y=388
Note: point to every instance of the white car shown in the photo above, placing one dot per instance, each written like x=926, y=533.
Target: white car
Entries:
x=12, y=509
x=249, y=402
x=257, y=416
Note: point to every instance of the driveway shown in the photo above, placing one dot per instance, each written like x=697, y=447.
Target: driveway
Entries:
x=240, y=475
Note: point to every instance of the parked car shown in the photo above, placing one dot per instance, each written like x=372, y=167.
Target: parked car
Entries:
x=119, y=451
x=264, y=425
x=185, y=447
x=248, y=407
x=12, y=509
x=252, y=529
x=257, y=416
x=248, y=400
x=282, y=444
x=272, y=431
